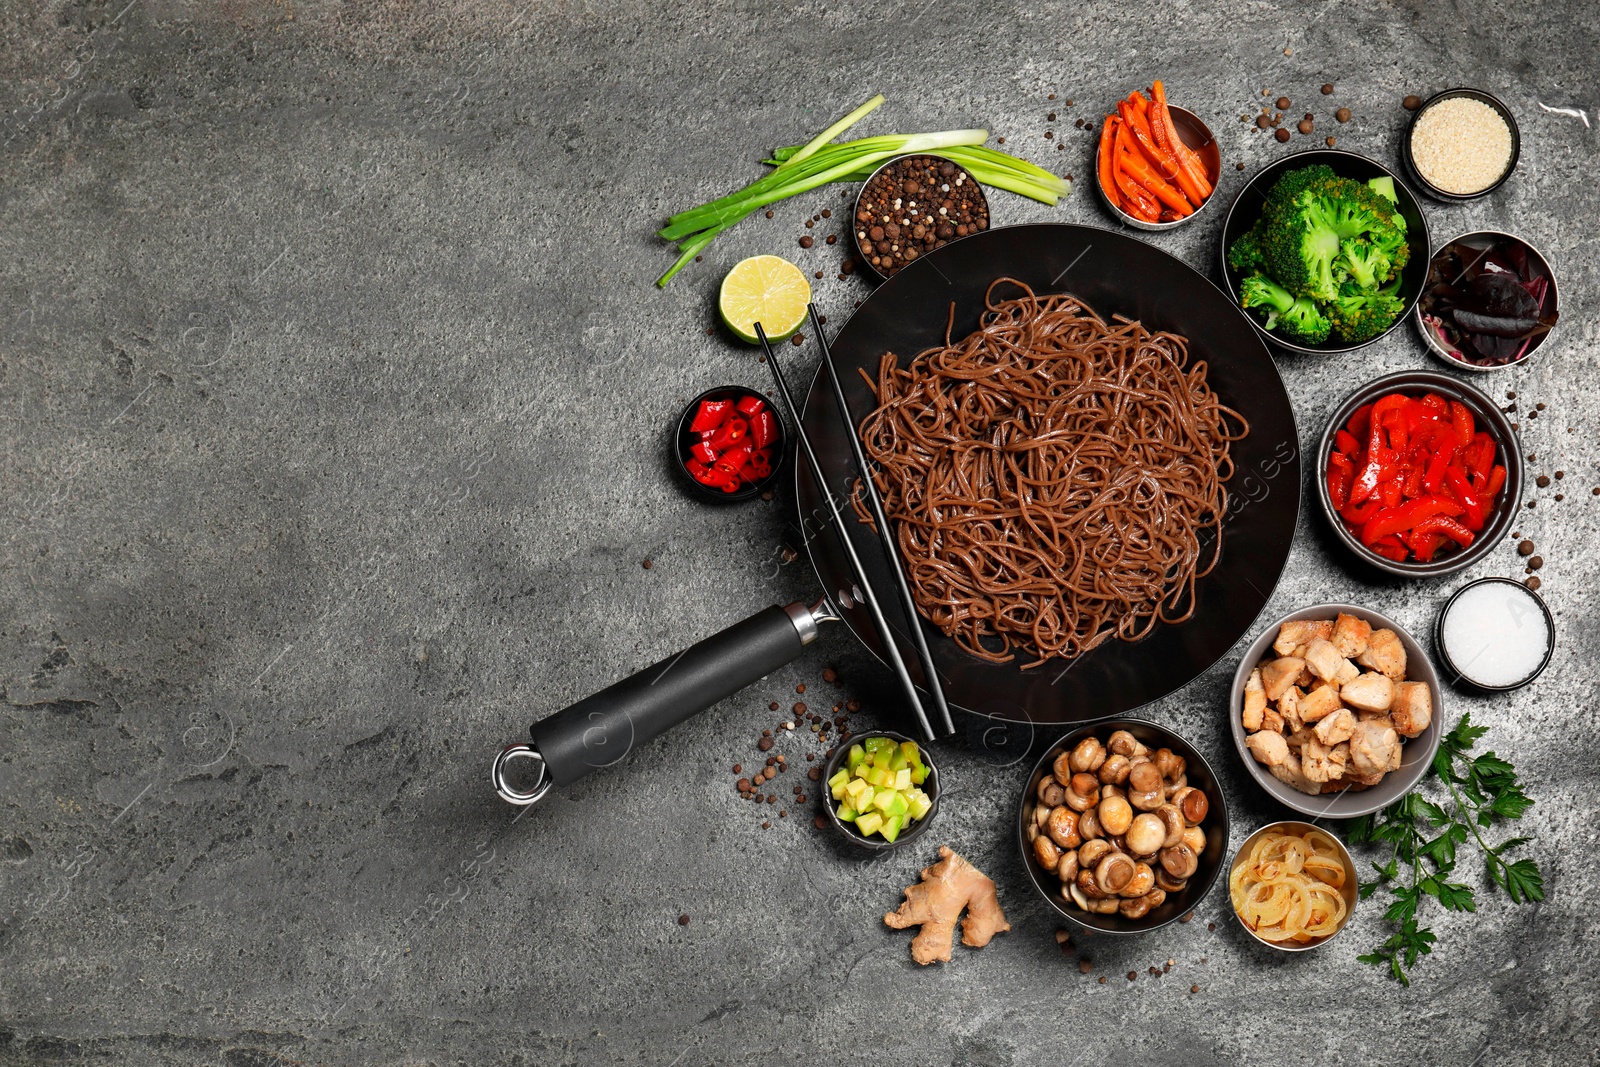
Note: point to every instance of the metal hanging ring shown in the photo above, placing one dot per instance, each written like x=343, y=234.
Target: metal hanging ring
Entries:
x=509, y=793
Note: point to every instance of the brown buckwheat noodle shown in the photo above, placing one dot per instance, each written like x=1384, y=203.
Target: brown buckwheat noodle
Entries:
x=1049, y=477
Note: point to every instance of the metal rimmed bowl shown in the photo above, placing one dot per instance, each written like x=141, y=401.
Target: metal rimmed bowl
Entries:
x=1246, y=209
x=930, y=786
x=682, y=439
x=1416, y=753
x=1193, y=131
x=1215, y=825
x=1537, y=263
x=1488, y=418
x=1536, y=607
x=1350, y=891
x=859, y=225
x=1482, y=97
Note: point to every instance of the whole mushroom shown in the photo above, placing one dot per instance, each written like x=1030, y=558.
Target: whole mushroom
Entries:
x=1088, y=755
x=1146, y=835
x=1180, y=861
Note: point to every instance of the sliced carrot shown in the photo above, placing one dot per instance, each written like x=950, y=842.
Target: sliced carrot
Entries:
x=1136, y=98
x=1135, y=166
x=1191, y=175
x=1107, y=157
x=1139, y=130
x=1139, y=204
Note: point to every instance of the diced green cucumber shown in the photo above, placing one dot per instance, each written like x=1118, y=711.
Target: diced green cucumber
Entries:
x=872, y=744
x=847, y=813
x=869, y=823
x=919, y=775
x=902, y=778
x=919, y=805
x=891, y=827
x=856, y=757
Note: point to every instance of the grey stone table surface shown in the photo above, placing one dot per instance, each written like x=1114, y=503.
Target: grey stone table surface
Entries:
x=333, y=388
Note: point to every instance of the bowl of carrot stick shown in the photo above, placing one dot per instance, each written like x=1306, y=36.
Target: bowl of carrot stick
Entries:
x=1157, y=165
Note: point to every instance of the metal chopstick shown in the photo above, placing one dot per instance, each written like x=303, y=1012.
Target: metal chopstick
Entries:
x=884, y=633
x=885, y=535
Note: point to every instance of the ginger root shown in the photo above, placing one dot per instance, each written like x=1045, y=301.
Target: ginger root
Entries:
x=936, y=902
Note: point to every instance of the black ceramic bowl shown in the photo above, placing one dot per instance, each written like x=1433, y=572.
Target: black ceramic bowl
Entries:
x=875, y=843
x=1488, y=418
x=857, y=226
x=682, y=439
x=1454, y=94
x=1215, y=824
x=1246, y=209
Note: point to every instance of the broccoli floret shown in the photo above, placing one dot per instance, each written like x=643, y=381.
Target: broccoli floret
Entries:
x=1362, y=262
x=1307, y=217
x=1391, y=242
x=1293, y=316
x=1384, y=187
x=1244, y=255
x=1359, y=314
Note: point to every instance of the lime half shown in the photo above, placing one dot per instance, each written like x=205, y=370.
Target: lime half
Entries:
x=765, y=289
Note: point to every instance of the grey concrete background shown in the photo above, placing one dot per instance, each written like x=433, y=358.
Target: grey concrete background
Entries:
x=333, y=389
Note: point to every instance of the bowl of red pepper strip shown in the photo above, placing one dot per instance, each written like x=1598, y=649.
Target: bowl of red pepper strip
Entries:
x=729, y=443
x=1419, y=474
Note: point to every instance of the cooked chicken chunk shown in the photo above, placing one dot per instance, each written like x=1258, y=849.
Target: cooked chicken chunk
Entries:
x=1385, y=654
x=1352, y=780
x=1297, y=740
x=1280, y=674
x=1268, y=748
x=1289, y=707
x=1255, y=701
x=1272, y=721
x=1293, y=634
x=1412, y=709
x=1370, y=692
x=1324, y=763
x=1323, y=659
x=1335, y=727
x=1348, y=672
x=1374, y=749
x=1320, y=702
x=1290, y=773
x=1350, y=635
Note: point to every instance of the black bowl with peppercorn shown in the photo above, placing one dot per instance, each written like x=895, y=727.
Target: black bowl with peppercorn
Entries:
x=1171, y=838
x=912, y=205
x=729, y=444
x=839, y=764
x=1499, y=507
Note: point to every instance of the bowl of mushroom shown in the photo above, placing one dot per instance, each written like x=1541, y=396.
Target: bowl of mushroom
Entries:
x=1123, y=827
x=1336, y=711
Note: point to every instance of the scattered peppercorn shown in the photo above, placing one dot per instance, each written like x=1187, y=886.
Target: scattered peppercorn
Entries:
x=1560, y=497
x=765, y=744
x=798, y=339
x=1543, y=481
x=1132, y=975
x=820, y=823
x=1532, y=583
x=766, y=826
x=1343, y=114
x=1282, y=135
x=1187, y=916
x=1327, y=89
x=769, y=214
x=1283, y=103
x=1194, y=989
x=1084, y=966
x=1305, y=126
x=1238, y=166
x=1329, y=141
x=815, y=774
x=806, y=241
x=1525, y=548
x=683, y=920
x=1262, y=122
x=1411, y=103
x=1536, y=562
x=1000, y=140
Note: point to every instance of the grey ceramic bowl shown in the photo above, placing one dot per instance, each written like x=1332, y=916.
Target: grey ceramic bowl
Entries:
x=1488, y=418
x=1197, y=135
x=1417, y=752
x=1454, y=94
x=1215, y=824
x=876, y=843
x=1350, y=890
x=1541, y=268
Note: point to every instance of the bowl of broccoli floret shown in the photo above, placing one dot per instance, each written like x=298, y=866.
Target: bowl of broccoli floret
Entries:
x=1325, y=251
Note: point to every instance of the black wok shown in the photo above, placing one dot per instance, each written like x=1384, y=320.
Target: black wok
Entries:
x=1114, y=274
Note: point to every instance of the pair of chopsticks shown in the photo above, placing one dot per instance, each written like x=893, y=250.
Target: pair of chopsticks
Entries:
x=885, y=536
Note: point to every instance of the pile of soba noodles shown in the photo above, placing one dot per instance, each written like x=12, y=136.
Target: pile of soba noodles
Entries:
x=1053, y=479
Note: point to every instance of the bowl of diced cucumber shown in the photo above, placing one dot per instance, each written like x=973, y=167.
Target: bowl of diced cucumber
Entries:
x=882, y=790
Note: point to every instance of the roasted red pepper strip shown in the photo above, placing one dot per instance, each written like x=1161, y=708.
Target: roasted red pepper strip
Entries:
x=1393, y=520
x=1437, y=404
x=1462, y=490
x=1356, y=514
x=1345, y=441
x=1360, y=421
x=1372, y=470
x=749, y=405
x=1497, y=481
x=1390, y=492
x=1481, y=456
x=1341, y=472
x=1433, y=480
x=1391, y=548
x=1461, y=416
x=1411, y=485
x=711, y=414
x=1423, y=545
x=1443, y=524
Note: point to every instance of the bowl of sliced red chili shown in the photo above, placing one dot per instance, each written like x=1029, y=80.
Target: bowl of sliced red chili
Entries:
x=1419, y=474
x=729, y=443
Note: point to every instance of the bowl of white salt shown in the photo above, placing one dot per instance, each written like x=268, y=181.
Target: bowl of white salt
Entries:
x=1495, y=634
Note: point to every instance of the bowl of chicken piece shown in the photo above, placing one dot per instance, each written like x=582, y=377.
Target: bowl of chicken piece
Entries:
x=1336, y=711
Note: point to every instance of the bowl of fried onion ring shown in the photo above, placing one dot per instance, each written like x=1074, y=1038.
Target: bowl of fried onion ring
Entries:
x=1293, y=886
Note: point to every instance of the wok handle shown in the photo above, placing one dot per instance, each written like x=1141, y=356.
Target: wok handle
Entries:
x=599, y=730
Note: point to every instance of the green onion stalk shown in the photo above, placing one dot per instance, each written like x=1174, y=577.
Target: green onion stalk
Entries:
x=800, y=168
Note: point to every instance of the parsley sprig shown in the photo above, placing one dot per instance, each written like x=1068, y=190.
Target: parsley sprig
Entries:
x=1423, y=840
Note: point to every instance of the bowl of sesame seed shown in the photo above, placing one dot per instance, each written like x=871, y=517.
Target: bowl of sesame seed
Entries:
x=1461, y=144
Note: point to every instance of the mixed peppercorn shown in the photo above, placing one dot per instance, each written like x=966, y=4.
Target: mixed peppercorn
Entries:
x=1413, y=476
